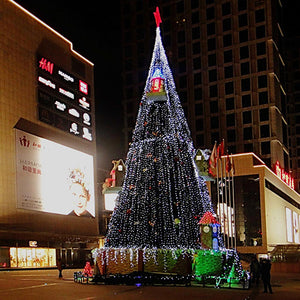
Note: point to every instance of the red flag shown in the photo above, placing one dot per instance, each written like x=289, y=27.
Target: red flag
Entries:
x=213, y=161
x=221, y=149
x=228, y=164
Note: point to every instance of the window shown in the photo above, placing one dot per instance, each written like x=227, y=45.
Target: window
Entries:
x=228, y=72
x=229, y=88
x=195, y=33
x=261, y=64
x=245, y=84
x=194, y=3
x=196, y=48
x=229, y=103
x=199, y=109
x=245, y=68
x=243, y=36
x=242, y=5
x=198, y=94
x=260, y=15
x=214, y=122
x=214, y=137
x=260, y=48
x=264, y=114
x=211, y=28
x=227, y=40
x=246, y=100
x=197, y=63
x=199, y=124
x=248, y=147
x=213, y=91
x=243, y=20
x=247, y=131
x=212, y=75
x=199, y=140
x=211, y=44
x=210, y=13
x=231, y=136
x=182, y=81
x=227, y=56
x=247, y=117
x=264, y=131
x=212, y=60
x=182, y=67
x=183, y=96
x=263, y=98
x=195, y=17
x=213, y=107
x=226, y=9
x=230, y=120
x=180, y=7
x=181, y=51
x=181, y=36
x=262, y=81
x=260, y=32
x=244, y=52
x=197, y=78
x=265, y=148
x=226, y=24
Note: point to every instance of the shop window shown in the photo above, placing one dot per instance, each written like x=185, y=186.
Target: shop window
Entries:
x=246, y=100
x=227, y=56
x=260, y=48
x=226, y=8
x=245, y=68
x=230, y=120
x=260, y=15
x=247, y=132
x=244, y=52
x=211, y=28
x=227, y=40
x=211, y=44
x=229, y=88
x=229, y=103
x=213, y=91
x=260, y=32
x=243, y=36
x=228, y=72
x=264, y=131
x=264, y=114
x=226, y=24
x=261, y=64
x=262, y=81
x=265, y=148
x=243, y=20
x=214, y=108
x=247, y=117
x=212, y=75
x=245, y=84
x=263, y=97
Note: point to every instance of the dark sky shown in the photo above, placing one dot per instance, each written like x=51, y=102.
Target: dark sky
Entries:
x=95, y=34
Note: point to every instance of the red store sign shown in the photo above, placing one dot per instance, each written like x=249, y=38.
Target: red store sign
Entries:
x=284, y=176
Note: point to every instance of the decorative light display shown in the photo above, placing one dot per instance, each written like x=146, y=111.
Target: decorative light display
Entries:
x=155, y=223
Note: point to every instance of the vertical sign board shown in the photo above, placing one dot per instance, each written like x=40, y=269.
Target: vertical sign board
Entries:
x=53, y=178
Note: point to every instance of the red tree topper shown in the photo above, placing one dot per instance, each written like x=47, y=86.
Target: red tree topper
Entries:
x=157, y=17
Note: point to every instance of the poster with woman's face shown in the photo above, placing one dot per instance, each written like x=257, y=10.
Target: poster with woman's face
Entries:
x=53, y=178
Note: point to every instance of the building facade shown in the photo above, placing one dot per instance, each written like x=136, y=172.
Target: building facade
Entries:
x=227, y=61
x=48, y=206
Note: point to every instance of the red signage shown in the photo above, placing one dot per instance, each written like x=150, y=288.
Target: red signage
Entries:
x=46, y=65
x=83, y=87
x=284, y=176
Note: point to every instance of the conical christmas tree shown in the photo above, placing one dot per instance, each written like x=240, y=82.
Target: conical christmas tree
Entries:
x=163, y=197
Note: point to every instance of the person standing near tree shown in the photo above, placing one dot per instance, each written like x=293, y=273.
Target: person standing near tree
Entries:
x=265, y=269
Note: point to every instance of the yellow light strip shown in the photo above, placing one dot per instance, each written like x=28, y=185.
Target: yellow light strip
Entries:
x=51, y=29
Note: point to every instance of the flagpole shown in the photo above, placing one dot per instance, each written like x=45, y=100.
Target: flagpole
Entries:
x=227, y=206
x=228, y=169
x=233, y=201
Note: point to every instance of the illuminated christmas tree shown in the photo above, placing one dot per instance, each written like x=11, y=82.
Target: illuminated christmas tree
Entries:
x=163, y=197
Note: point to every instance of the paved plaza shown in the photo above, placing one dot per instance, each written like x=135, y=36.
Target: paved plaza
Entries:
x=45, y=284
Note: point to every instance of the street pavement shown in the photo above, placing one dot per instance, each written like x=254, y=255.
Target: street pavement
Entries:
x=45, y=284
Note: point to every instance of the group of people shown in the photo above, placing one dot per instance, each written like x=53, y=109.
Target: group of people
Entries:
x=261, y=270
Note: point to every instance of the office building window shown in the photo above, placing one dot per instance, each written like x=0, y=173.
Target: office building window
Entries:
x=260, y=32
x=264, y=114
x=180, y=7
x=212, y=75
x=213, y=91
x=195, y=33
x=246, y=100
x=229, y=88
x=214, y=137
x=229, y=103
x=245, y=68
x=181, y=51
x=260, y=15
x=263, y=97
x=198, y=94
x=260, y=48
x=247, y=117
x=210, y=13
x=227, y=40
x=196, y=48
x=197, y=63
x=247, y=131
x=231, y=136
x=195, y=17
x=243, y=36
x=264, y=131
x=199, y=124
x=199, y=109
x=226, y=24
x=213, y=107
x=212, y=60
x=211, y=44
x=244, y=52
x=228, y=72
x=248, y=147
x=262, y=81
x=181, y=36
x=227, y=56
x=211, y=28
x=182, y=82
x=230, y=120
x=194, y=4
x=182, y=67
x=245, y=84
x=261, y=64
x=214, y=122
x=242, y=5
x=197, y=78
x=243, y=20
x=226, y=9
x=265, y=148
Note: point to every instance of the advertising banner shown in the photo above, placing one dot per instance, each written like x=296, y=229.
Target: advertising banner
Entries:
x=53, y=178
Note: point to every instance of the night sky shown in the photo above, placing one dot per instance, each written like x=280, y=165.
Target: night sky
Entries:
x=95, y=34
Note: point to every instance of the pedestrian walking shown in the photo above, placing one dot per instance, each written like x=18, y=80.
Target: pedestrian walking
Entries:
x=265, y=269
x=254, y=270
x=59, y=267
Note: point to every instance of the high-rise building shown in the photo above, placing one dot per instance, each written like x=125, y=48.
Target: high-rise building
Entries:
x=227, y=61
x=47, y=145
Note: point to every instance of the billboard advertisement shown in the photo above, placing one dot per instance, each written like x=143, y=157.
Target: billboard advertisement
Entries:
x=53, y=178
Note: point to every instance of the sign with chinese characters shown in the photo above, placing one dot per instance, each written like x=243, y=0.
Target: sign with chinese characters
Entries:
x=63, y=99
x=284, y=176
x=53, y=178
